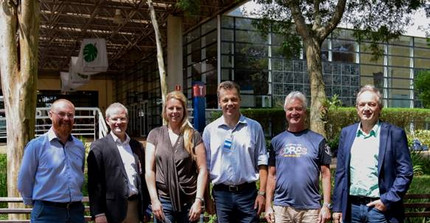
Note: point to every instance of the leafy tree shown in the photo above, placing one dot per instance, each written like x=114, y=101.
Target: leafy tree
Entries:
x=19, y=43
x=309, y=22
x=422, y=86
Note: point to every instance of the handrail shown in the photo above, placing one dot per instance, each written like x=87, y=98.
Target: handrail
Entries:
x=89, y=122
x=103, y=129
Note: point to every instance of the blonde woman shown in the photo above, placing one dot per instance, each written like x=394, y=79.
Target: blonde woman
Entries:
x=175, y=165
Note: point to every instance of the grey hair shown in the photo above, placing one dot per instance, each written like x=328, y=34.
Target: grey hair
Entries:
x=372, y=89
x=296, y=95
x=114, y=107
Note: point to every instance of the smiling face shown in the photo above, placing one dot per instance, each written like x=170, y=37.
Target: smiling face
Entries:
x=118, y=122
x=368, y=108
x=295, y=113
x=229, y=101
x=174, y=112
x=62, y=115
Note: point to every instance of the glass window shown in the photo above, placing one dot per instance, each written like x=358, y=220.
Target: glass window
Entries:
x=226, y=75
x=227, y=35
x=251, y=50
x=399, y=50
x=249, y=37
x=209, y=26
x=367, y=58
x=422, y=63
x=373, y=75
x=251, y=63
x=192, y=35
x=245, y=23
x=399, y=61
x=209, y=39
x=226, y=61
x=227, y=48
x=402, y=40
x=343, y=34
x=227, y=22
x=421, y=42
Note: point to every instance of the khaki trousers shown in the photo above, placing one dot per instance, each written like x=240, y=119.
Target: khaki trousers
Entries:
x=292, y=215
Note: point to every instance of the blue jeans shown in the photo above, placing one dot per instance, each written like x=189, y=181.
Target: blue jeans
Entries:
x=237, y=206
x=360, y=213
x=174, y=216
x=43, y=213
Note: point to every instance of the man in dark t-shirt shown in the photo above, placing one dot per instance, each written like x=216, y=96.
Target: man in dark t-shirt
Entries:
x=297, y=157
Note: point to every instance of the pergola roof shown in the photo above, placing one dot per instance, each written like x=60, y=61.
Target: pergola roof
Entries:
x=129, y=37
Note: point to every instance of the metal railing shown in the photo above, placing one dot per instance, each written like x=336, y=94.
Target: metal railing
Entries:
x=89, y=123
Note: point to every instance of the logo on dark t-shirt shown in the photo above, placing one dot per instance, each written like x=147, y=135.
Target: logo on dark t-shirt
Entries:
x=293, y=150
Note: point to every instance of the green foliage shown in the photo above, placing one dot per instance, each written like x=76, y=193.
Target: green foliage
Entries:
x=190, y=7
x=417, y=185
x=422, y=85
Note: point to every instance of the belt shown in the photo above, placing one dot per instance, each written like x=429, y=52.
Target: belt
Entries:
x=133, y=197
x=233, y=188
x=361, y=199
x=61, y=205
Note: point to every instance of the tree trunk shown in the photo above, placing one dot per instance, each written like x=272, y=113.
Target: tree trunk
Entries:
x=160, y=58
x=318, y=96
x=19, y=66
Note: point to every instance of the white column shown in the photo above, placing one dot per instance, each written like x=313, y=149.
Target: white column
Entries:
x=174, y=53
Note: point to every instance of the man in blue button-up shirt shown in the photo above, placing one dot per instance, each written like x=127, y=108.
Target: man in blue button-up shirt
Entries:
x=52, y=170
x=236, y=158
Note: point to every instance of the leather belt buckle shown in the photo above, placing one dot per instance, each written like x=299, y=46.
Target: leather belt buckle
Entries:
x=233, y=188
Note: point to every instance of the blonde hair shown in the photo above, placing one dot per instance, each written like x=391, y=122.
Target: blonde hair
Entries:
x=186, y=128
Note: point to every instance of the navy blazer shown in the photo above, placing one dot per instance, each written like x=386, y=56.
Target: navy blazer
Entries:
x=108, y=181
x=394, y=171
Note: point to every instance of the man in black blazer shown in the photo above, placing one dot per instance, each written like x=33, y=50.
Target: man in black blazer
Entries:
x=115, y=173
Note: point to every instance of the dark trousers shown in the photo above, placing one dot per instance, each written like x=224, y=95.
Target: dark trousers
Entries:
x=235, y=206
x=49, y=212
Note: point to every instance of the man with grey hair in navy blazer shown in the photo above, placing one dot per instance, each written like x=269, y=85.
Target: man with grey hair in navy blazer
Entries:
x=374, y=167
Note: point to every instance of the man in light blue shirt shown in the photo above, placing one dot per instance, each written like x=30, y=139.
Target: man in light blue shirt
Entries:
x=236, y=158
x=52, y=170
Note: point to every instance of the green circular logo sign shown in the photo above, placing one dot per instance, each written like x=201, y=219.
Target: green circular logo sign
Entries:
x=90, y=52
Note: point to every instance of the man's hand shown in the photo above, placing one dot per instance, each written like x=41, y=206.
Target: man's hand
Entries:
x=337, y=217
x=324, y=215
x=270, y=216
x=210, y=205
x=259, y=204
x=378, y=205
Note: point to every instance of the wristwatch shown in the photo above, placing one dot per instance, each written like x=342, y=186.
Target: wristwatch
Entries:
x=202, y=201
x=328, y=205
x=262, y=193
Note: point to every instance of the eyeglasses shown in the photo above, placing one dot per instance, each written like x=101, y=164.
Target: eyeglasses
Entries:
x=120, y=119
x=64, y=114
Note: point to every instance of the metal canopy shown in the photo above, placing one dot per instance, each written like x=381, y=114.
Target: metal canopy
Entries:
x=125, y=24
